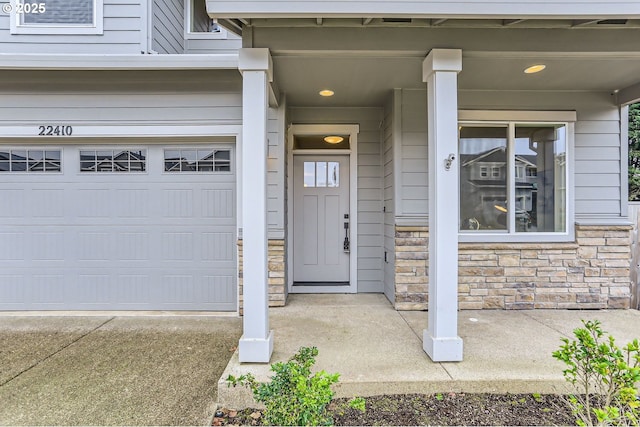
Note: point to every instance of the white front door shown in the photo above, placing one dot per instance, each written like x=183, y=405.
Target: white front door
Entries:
x=321, y=220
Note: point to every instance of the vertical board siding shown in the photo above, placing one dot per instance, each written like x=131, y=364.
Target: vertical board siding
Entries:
x=388, y=192
x=370, y=185
x=123, y=33
x=168, y=26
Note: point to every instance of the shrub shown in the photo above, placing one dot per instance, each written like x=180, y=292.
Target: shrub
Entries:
x=604, y=375
x=294, y=396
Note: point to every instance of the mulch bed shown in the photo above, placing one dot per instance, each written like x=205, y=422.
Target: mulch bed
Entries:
x=446, y=409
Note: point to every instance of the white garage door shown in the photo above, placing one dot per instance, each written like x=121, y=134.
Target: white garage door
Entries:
x=117, y=228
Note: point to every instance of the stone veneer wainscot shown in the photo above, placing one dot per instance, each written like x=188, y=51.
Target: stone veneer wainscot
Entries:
x=592, y=272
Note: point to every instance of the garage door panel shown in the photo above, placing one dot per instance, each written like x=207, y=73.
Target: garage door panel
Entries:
x=11, y=247
x=117, y=241
x=217, y=203
x=92, y=203
x=12, y=290
x=13, y=203
x=217, y=246
x=133, y=203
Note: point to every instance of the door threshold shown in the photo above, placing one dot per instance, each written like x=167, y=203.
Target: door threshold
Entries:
x=320, y=283
x=322, y=288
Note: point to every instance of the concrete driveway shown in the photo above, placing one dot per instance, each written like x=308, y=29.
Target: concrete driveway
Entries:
x=105, y=370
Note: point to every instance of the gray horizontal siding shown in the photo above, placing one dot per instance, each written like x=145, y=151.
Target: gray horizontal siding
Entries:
x=157, y=102
x=597, y=161
x=168, y=26
x=123, y=34
x=597, y=157
x=370, y=185
x=388, y=197
x=276, y=173
x=414, y=192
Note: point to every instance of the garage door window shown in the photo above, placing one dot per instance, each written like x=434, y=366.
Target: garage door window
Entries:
x=197, y=160
x=25, y=160
x=106, y=160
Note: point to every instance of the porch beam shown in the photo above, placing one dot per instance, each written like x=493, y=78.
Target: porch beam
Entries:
x=629, y=95
x=256, y=343
x=440, y=71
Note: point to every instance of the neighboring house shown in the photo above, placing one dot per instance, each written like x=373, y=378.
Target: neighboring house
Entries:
x=170, y=155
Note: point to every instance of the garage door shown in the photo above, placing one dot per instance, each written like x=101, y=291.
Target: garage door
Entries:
x=117, y=228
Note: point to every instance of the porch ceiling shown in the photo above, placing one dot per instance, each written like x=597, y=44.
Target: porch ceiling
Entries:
x=366, y=78
x=362, y=63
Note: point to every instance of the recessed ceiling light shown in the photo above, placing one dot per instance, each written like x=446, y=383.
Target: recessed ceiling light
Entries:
x=326, y=92
x=333, y=139
x=535, y=69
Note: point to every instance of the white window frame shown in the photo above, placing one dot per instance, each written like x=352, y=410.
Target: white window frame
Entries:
x=97, y=28
x=189, y=35
x=511, y=119
x=34, y=148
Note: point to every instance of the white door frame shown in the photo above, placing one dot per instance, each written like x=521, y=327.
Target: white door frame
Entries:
x=352, y=152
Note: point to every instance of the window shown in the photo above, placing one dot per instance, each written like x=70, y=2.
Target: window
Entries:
x=106, y=160
x=29, y=160
x=531, y=197
x=321, y=174
x=198, y=23
x=56, y=16
x=197, y=160
x=484, y=171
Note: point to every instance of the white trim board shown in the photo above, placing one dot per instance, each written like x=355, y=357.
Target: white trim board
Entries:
x=501, y=9
x=118, y=62
x=102, y=131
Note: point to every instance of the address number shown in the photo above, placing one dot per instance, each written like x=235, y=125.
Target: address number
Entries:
x=55, y=130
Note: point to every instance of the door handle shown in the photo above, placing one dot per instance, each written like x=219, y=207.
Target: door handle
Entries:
x=346, y=244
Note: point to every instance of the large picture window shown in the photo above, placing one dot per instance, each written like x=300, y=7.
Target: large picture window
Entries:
x=526, y=191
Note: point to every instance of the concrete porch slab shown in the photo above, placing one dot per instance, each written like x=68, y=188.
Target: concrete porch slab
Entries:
x=378, y=350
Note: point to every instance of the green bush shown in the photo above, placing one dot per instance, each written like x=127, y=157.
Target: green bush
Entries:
x=294, y=396
x=604, y=375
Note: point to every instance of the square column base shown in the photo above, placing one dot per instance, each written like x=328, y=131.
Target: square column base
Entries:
x=447, y=349
x=255, y=350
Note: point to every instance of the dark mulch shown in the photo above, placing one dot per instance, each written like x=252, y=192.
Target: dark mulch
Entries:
x=447, y=409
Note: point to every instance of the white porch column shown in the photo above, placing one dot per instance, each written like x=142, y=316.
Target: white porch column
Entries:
x=440, y=71
x=256, y=343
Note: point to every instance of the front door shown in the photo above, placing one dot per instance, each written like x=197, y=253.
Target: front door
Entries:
x=321, y=220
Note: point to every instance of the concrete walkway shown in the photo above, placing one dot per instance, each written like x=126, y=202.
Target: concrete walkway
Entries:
x=378, y=350
x=105, y=370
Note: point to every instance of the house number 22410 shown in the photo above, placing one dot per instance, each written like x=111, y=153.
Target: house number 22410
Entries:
x=55, y=130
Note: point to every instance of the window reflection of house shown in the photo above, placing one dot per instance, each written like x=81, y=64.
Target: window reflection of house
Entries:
x=30, y=161
x=489, y=195
x=107, y=161
x=197, y=160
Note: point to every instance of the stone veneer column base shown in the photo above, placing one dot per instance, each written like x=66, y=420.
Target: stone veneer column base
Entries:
x=276, y=276
x=592, y=272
